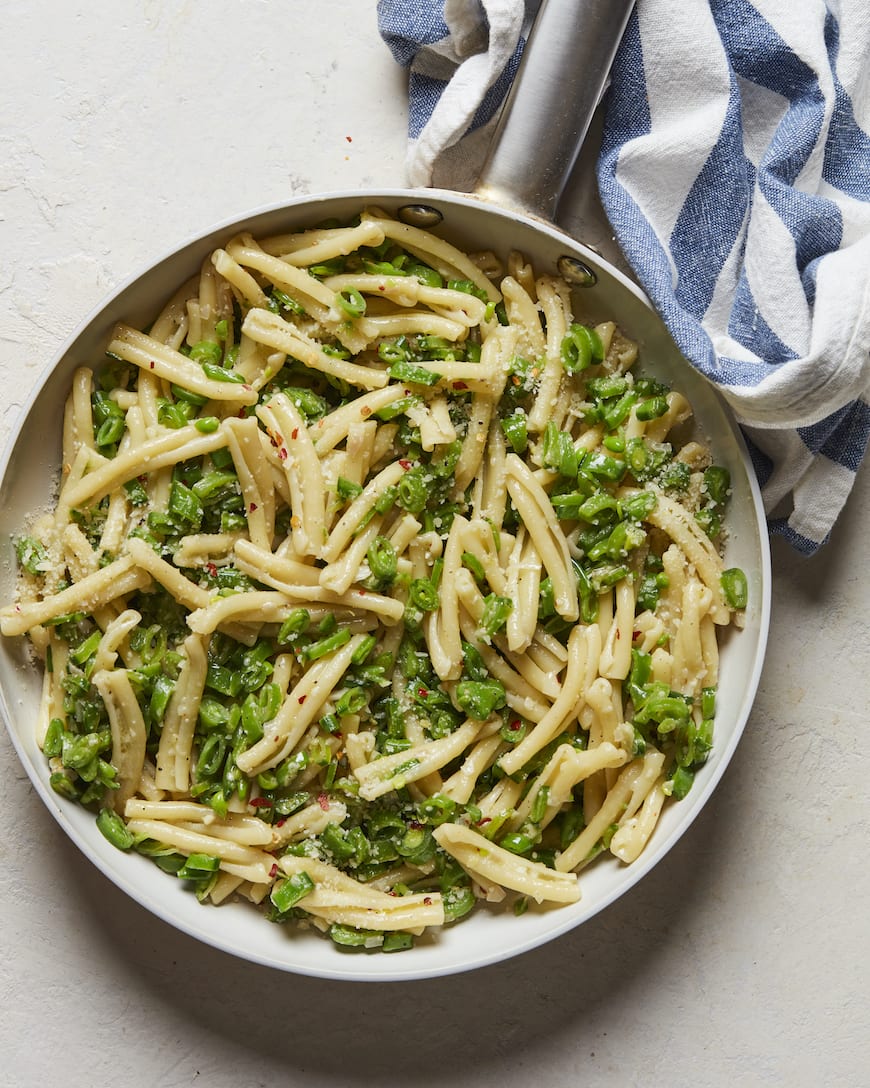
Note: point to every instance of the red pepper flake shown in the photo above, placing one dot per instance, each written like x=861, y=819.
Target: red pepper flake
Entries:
x=362, y=592
x=301, y=699
x=460, y=385
x=273, y=872
x=427, y=899
x=365, y=410
x=349, y=139
x=381, y=287
x=282, y=453
x=422, y=692
x=294, y=433
x=252, y=507
x=515, y=724
x=152, y=364
x=212, y=569
x=281, y=822
x=242, y=412
x=484, y=820
x=636, y=635
x=415, y=825
x=405, y=464
x=260, y=802
x=323, y=801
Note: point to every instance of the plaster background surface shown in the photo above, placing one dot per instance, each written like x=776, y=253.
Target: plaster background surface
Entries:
x=742, y=959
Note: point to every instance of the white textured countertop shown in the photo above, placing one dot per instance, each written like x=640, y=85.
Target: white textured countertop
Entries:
x=742, y=959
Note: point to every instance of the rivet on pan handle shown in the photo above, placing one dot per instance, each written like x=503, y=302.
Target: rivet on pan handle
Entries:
x=561, y=77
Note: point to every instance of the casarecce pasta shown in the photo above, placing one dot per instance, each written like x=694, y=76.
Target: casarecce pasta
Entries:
x=377, y=585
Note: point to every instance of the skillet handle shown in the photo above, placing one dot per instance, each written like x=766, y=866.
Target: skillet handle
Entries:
x=545, y=119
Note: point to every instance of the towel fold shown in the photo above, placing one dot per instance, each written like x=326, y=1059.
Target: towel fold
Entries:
x=735, y=172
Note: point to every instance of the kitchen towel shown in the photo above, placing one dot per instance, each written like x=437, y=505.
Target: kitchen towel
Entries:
x=735, y=172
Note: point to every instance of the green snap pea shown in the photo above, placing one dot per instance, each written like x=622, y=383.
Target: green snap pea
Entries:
x=393, y=351
x=458, y=901
x=397, y=941
x=383, y=562
x=423, y=594
x=680, y=783
x=206, y=351
x=495, y=614
x=516, y=432
x=514, y=730
x=333, y=641
x=580, y=346
x=362, y=651
x=516, y=842
x=558, y=451
x=424, y=274
x=437, y=809
x=199, y=866
x=294, y=626
x=539, y=805
x=63, y=785
x=161, y=692
x=184, y=504
x=211, y=756
x=479, y=698
x=351, y=301
x=287, y=893
x=218, y=373
x=598, y=508
x=468, y=288
x=472, y=563
x=601, y=466
x=188, y=396
x=87, y=648
x=110, y=431
x=717, y=484
x=709, y=521
x=348, y=937
x=651, y=408
x=607, y=386
x=52, y=745
x=31, y=555
x=412, y=493
x=385, y=501
x=615, y=443
x=351, y=701
x=403, y=371
x=347, y=489
x=735, y=587
x=113, y=828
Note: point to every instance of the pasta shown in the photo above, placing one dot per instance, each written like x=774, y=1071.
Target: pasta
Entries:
x=374, y=588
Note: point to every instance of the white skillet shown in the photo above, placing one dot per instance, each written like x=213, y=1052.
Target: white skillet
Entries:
x=543, y=125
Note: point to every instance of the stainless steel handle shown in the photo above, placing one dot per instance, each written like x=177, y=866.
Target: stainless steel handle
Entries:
x=562, y=74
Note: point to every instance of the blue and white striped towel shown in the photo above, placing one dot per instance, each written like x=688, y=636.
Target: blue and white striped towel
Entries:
x=735, y=171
